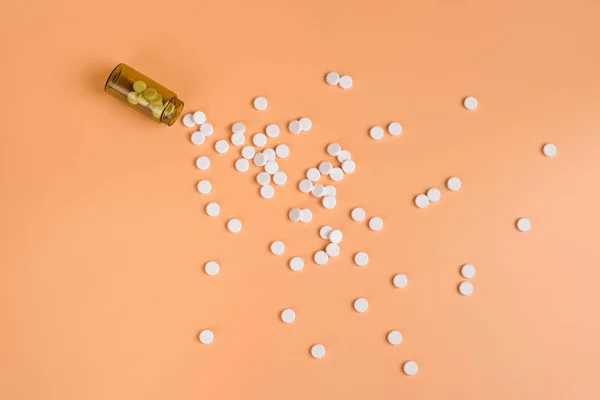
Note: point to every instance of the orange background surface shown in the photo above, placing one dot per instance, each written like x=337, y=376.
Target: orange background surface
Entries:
x=103, y=235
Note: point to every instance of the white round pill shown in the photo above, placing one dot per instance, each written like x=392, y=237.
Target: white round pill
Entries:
x=394, y=337
x=394, y=128
x=238, y=127
x=269, y=154
x=434, y=194
x=336, y=174
x=188, y=120
x=203, y=163
x=260, y=159
x=271, y=167
x=296, y=264
x=376, y=132
x=272, y=130
x=345, y=82
x=333, y=149
x=400, y=280
x=260, y=103
x=333, y=249
x=325, y=231
x=376, y=224
x=211, y=268
x=280, y=178
x=523, y=224
x=204, y=186
x=465, y=288
x=344, y=155
x=206, y=336
x=213, y=209
x=248, y=152
x=470, y=103
x=295, y=214
x=305, y=186
x=197, y=138
x=467, y=271
x=361, y=259
x=329, y=202
x=361, y=305
x=421, y=201
x=207, y=129
x=306, y=215
x=325, y=167
x=267, y=191
x=410, y=368
x=282, y=150
x=349, y=166
x=549, y=150
x=321, y=257
x=318, y=351
x=234, y=225
x=318, y=190
x=199, y=117
x=259, y=139
x=221, y=146
x=358, y=214
x=238, y=139
x=454, y=184
x=305, y=123
x=313, y=174
x=332, y=78
x=336, y=236
x=288, y=315
x=277, y=247
x=242, y=165
x=330, y=190
x=263, y=178
x=295, y=127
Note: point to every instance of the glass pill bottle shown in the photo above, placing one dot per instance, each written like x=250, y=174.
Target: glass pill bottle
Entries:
x=143, y=94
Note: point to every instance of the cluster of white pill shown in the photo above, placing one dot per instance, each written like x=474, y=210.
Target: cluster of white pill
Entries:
x=434, y=194
x=467, y=271
x=334, y=79
x=332, y=249
x=393, y=128
x=205, y=129
x=300, y=214
x=297, y=126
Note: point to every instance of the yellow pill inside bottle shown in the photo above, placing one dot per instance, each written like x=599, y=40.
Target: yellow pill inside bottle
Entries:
x=132, y=98
x=139, y=86
x=142, y=100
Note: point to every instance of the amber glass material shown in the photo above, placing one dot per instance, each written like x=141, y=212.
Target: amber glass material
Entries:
x=143, y=94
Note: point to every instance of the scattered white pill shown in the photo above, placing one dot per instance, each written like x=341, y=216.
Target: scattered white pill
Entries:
x=330, y=190
x=344, y=155
x=203, y=163
x=267, y=191
x=394, y=337
x=280, y=178
x=199, y=118
x=271, y=167
x=376, y=224
x=306, y=215
x=248, y=152
x=325, y=231
x=523, y=224
x=318, y=190
x=336, y=236
x=345, y=82
x=204, y=186
x=238, y=139
x=260, y=159
x=234, y=225
x=295, y=214
x=288, y=315
x=332, y=78
x=394, y=128
x=465, y=288
x=242, y=165
x=188, y=120
x=211, y=268
x=329, y=202
x=421, y=201
x=260, y=103
x=197, y=138
x=470, y=103
x=272, y=130
x=296, y=264
x=305, y=186
x=361, y=305
x=263, y=178
x=349, y=166
x=454, y=184
x=221, y=146
x=333, y=149
x=376, y=132
x=336, y=174
x=313, y=174
x=321, y=257
x=361, y=259
x=295, y=127
x=358, y=214
x=206, y=336
x=400, y=280
x=238, y=127
x=207, y=129
x=305, y=123
x=434, y=194
x=333, y=249
x=467, y=271
x=269, y=154
x=410, y=368
x=549, y=150
x=277, y=247
x=259, y=139
x=282, y=150
x=325, y=167
x=213, y=209
x=318, y=351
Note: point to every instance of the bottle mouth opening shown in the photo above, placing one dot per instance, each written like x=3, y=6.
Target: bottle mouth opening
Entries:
x=170, y=119
x=114, y=76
